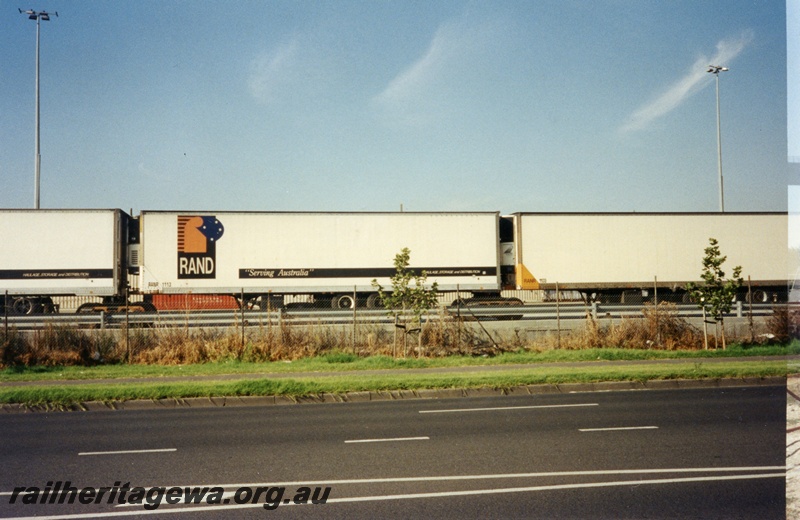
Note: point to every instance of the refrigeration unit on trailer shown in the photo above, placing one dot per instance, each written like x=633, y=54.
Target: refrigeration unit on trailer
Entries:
x=611, y=255
x=331, y=256
x=49, y=252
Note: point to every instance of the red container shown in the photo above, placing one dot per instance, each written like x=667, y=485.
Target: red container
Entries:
x=194, y=302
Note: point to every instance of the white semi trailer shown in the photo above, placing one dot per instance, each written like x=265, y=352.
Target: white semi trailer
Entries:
x=46, y=253
x=331, y=256
x=613, y=255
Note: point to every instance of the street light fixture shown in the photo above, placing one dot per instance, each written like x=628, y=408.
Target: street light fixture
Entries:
x=37, y=15
x=715, y=70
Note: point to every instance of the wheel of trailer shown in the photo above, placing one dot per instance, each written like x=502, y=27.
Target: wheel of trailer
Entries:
x=25, y=306
x=759, y=296
x=373, y=301
x=343, y=301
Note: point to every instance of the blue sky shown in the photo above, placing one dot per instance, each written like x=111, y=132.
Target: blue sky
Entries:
x=508, y=106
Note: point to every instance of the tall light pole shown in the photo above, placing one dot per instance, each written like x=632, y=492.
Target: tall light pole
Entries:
x=38, y=16
x=715, y=70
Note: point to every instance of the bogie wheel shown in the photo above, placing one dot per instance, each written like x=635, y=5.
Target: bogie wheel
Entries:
x=373, y=301
x=343, y=301
x=25, y=306
x=759, y=296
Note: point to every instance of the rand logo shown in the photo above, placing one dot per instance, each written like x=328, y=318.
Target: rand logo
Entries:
x=197, y=246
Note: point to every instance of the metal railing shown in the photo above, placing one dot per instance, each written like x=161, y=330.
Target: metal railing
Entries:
x=258, y=318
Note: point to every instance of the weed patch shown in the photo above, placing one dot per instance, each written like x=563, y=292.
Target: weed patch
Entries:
x=655, y=329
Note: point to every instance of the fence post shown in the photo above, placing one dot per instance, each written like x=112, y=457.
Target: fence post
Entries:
x=394, y=344
x=558, y=315
x=750, y=309
x=458, y=318
x=5, y=314
x=269, y=310
x=354, y=318
x=127, y=326
x=244, y=305
x=655, y=309
x=281, y=323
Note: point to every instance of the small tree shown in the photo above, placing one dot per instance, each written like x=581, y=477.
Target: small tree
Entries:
x=716, y=294
x=408, y=295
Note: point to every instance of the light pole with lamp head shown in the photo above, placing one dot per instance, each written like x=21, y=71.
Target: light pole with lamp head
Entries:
x=715, y=70
x=38, y=16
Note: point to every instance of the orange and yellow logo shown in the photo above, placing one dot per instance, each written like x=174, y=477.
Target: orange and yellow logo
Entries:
x=197, y=246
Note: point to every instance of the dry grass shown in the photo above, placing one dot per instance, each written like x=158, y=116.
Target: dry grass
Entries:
x=56, y=346
x=784, y=324
x=658, y=328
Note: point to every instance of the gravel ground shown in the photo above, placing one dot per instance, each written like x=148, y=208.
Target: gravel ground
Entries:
x=793, y=448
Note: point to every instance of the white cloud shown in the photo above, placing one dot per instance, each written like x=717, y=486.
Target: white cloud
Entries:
x=688, y=85
x=428, y=85
x=413, y=81
x=270, y=70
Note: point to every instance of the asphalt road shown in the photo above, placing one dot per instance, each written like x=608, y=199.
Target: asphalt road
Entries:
x=700, y=453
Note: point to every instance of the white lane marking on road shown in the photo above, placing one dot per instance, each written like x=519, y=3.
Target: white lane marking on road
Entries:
x=441, y=478
x=481, y=477
x=453, y=410
x=618, y=428
x=396, y=439
x=127, y=452
x=408, y=496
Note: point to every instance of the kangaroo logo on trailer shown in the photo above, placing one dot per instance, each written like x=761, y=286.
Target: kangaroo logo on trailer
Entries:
x=197, y=246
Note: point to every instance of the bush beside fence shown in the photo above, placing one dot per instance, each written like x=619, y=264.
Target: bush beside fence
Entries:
x=657, y=327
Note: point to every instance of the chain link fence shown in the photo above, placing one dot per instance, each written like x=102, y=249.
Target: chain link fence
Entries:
x=462, y=323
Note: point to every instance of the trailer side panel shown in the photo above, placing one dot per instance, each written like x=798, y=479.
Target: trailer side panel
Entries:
x=62, y=252
x=636, y=249
x=229, y=252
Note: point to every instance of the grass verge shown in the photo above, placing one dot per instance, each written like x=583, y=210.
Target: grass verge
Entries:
x=55, y=397
x=345, y=362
